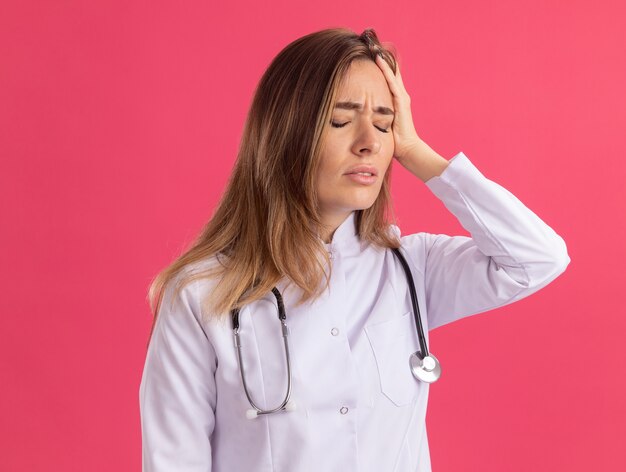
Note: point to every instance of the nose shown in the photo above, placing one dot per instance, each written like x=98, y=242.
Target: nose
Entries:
x=367, y=140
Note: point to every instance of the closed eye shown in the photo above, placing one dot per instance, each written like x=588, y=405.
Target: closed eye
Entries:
x=341, y=125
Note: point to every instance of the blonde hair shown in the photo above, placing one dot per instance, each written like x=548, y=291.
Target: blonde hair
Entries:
x=266, y=224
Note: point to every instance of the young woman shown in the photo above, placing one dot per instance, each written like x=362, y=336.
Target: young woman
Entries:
x=303, y=231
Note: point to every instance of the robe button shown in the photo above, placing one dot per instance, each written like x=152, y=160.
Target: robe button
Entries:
x=343, y=410
x=334, y=331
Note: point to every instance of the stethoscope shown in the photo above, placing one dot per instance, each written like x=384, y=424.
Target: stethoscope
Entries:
x=424, y=365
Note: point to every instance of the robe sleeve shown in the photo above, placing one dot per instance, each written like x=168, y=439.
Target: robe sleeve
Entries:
x=177, y=394
x=511, y=253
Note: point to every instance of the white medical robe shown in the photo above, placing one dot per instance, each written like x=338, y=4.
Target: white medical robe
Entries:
x=358, y=407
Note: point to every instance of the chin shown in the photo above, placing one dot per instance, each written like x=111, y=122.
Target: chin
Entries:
x=352, y=202
x=362, y=205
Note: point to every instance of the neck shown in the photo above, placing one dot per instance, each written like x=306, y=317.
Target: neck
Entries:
x=331, y=223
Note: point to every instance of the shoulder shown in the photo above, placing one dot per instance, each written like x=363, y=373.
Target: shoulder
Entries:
x=410, y=241
x=200, y=275
x=415, y=246
x=191, y=284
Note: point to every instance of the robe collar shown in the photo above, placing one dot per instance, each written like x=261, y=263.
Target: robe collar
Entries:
x=346, y=240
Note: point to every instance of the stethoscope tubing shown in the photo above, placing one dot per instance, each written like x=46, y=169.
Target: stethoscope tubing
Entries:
x=285, y=331
x=424, y=365
x=416, y=309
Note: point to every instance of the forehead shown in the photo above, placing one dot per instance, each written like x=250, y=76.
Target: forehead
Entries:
x=364, y=80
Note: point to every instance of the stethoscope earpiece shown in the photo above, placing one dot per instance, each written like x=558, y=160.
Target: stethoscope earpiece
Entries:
x=252, y=414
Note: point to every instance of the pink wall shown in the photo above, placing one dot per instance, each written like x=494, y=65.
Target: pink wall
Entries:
x=119, y=123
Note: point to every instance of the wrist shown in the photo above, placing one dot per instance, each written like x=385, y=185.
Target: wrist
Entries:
x=424, y=162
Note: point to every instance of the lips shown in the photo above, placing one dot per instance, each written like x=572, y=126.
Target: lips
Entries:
x=363, y=170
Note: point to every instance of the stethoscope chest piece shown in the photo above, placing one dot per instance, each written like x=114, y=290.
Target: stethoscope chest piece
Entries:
x=425, y=368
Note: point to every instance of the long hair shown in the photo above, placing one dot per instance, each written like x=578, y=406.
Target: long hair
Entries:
x=266, y=224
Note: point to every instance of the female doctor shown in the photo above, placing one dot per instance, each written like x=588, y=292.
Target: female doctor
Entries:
x=288, y=337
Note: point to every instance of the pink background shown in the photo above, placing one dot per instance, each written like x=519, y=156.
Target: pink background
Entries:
x=119, y=124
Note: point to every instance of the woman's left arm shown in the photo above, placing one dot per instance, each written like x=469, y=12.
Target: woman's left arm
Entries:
x=511, y=254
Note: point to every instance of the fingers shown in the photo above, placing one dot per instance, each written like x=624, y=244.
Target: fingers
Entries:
x=394, y=81
x=398, y=75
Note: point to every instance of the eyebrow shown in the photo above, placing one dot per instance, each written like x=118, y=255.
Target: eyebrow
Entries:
x=359, y=106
